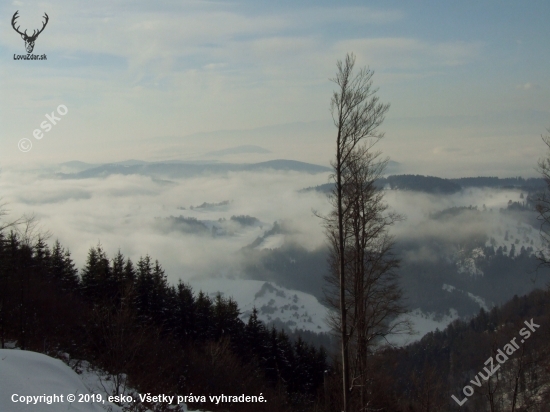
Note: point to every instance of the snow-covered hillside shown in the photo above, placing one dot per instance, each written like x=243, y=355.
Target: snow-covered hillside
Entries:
x=422, y=324
x=297, y=310
x=29, y=374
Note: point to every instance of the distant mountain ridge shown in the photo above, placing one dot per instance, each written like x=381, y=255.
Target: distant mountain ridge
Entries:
x=238, y=150
x=177, y=169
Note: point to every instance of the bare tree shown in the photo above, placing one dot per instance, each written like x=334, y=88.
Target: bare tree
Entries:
x=363, y=287
x=30, y=230
x=6, y=225
x=543, y=205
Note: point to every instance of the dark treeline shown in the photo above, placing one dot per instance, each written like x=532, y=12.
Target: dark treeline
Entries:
x=438, y=185
x=431, y=184
x=128, y=320
x=531, y=183
x=428, y=184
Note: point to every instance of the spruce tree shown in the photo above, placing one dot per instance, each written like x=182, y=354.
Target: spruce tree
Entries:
x=184, y=317
x=143, y=289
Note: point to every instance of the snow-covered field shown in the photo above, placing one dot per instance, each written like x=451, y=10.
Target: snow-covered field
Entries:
x=30, y=375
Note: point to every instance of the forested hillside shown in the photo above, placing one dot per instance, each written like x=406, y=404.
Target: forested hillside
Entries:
x=126, y=319
x=425, y=375
x=438, y=185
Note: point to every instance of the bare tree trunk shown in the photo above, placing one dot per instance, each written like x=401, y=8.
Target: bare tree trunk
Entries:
x=342, y=272
x=517, y=377
x=543, y=206
x=362, y=263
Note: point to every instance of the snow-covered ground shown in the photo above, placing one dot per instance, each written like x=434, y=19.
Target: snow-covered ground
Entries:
x=477, y=299
x=34, y=382
x=29, y=374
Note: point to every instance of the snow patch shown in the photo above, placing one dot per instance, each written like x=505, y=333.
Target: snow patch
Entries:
x=466, y=261
x=479, y=300
x=423, y=323
x=272, y=242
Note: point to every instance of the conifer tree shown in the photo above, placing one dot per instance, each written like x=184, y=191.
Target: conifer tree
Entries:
x=62, y=268
x=117, y=271
x=129, y=272
x=203, y=317
x=286, y=357
x=41, y=252
x=97, y=280
x=143, y=289
x=273, y=359
x=159, y=295
x=256, y=338
x=184, y=316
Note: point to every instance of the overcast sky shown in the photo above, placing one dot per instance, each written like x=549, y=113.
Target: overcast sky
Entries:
x=468, y=81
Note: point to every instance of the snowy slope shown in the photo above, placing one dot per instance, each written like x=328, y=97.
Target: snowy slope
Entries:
x=30, y=373
x=422, y=323
x=297, y=310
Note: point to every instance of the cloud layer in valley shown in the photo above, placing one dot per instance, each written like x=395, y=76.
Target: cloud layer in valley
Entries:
x=218, y=225
x=131, y=213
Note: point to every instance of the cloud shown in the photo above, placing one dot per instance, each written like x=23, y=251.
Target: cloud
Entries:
x=441, y=150
x=413, y=53
x=528, y=86
x=358, y=15
x=420, y=229
x=120, y=211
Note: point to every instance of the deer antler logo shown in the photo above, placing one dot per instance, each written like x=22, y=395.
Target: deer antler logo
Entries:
x=29, y=40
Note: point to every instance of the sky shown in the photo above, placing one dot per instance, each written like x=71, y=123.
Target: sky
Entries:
x=468, y=81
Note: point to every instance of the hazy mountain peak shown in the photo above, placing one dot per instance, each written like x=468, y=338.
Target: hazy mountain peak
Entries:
x=238, y=150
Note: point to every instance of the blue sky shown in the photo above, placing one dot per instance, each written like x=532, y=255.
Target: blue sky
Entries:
x=468, y=81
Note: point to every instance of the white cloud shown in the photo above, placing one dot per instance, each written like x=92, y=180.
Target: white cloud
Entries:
x=358, y=15
x=528, y=86
x=410, y=53
x=120, y=212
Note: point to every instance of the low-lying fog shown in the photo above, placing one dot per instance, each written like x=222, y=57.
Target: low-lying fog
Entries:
x=142, y=215
x=130, y=213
